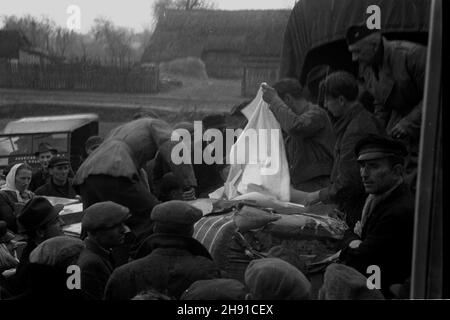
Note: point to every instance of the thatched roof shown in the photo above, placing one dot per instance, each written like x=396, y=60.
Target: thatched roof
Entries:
x=181, y=33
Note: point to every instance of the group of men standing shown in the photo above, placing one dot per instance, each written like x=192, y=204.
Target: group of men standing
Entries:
x=363, y=162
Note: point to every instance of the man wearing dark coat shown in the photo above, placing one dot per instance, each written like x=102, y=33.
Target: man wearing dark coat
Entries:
x=394, y=73
x=384, y=235
x=59, y=184
x=114, y=171
x=351, y=122
x=104, y=224
x=169, y=261
x=44, y=154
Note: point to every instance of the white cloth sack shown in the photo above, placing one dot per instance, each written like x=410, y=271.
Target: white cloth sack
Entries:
x=260, y=161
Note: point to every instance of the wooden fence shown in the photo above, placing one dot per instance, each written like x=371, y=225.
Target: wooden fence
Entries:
x=80, y=76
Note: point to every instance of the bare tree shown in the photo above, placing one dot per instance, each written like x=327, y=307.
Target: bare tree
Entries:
x=116, y=39
x=64, y=38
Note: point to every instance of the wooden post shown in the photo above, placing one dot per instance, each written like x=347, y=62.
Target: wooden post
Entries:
x=426, y=282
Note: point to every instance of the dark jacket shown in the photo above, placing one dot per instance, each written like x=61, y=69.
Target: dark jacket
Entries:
x=346, y=188
x=309, y=142
x=96, y=266
x=49, y=283
x=8, y=209
x=50, y=189
x=39, y=178
x=20, y=281
x=387, y=238
x=170, y=265
x=397, y=84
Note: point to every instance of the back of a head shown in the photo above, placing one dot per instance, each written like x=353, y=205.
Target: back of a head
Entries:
x=214, y=121
x=151, y=294
x=92, y=142
x=145, y=114
x=215, y=289
x=341, y=83
x=314, y=79
x=175, y=217
x=61, y=251
x=189, y=126
x=48, y=268
x=275, y=279
x=341, y=282
x=289, y=86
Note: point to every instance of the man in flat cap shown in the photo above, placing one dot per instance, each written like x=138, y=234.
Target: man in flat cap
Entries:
x=39, y=221
x=308, y=134
x=394, y=73
x=59, y=184
x=168, y=261
x=44, y=154
x=92, y=143
x=276, y=279
x=384, y=235
x=104, y=223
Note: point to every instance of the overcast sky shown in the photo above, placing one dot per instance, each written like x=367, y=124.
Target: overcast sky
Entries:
x=135, y=14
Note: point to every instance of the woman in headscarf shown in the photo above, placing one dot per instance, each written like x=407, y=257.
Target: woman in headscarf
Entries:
x=15, y=194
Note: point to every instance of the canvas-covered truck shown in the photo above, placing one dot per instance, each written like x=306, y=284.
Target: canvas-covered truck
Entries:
x=315, y=32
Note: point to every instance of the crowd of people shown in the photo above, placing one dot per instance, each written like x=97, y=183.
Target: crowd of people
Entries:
x=137, y=240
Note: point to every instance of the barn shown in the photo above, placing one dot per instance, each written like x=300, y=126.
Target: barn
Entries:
x=16, y=48
x=242, y=44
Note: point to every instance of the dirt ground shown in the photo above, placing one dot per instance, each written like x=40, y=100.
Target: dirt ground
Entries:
x=194, y=99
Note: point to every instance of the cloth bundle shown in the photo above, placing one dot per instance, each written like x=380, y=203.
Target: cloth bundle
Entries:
x=258, y=157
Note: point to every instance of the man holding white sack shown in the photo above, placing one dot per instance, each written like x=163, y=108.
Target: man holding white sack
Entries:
x=309, y=137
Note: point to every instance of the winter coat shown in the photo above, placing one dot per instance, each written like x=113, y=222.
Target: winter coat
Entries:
x=309, y=142
x=170, y=265
x=346, y=188
x=398, y=85
x=50, y=189
x=96, y=266
x=387, y=238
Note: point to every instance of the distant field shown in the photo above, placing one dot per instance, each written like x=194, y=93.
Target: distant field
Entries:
x=191, y=101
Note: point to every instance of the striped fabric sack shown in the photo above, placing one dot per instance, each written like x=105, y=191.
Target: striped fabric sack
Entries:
x=218, y=235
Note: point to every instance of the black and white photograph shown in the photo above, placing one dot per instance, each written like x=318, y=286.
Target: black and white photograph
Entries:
x=224, y=155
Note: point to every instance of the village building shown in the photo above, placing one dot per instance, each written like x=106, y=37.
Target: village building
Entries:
x=16, y=48
x=243, y=44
